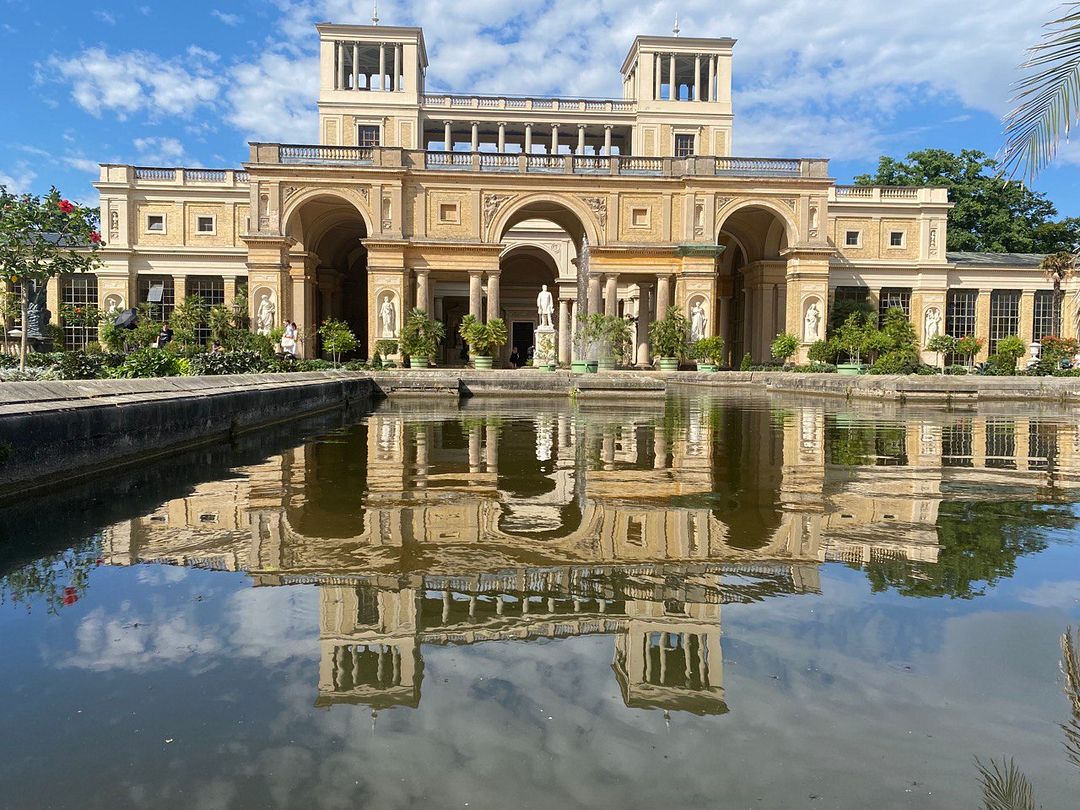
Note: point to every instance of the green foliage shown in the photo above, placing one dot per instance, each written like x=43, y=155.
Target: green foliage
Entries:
x=59, y=579
x=1009, y=350
x=956, y=370
x=239, y=339
x=420, y=335
x=149, y=362
x=79, y=366
x=942, y=345
x=989, y=213
x=783, y=346
x=337, y=339
x=747, y=362
x=897, y=361
x=187, y=316
x=610, y=332
x=969, y=347
x=671, y=334
x=220, y=319
x=852, y=334
x=824, y=351
x=482, y=338
x=241, y=361
x=313, y=365
x=710, y=349
x=840, y=311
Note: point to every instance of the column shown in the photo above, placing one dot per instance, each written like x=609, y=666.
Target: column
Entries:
x=448, y=142
x=528, y=139
x=580, y=139
x=475, y=139
x=607, y=139
x=611, y=294
x=492, y=295
x=697, y=77
x=594, y=293
x=475, y=294
x=663, y=295
x=423, y=291
x=674, y=94
x=491, y=448
x=554, y=139
x=564, y=331
x=356, y=66
x=644, y=312
x=397, y=68
x=658, y=70
x=382, y=67
x=502, y=137
x=748, y=319
x=474, y=449
x=340, y=49
x=712, y=78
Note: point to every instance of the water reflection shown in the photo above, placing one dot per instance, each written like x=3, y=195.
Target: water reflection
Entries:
x=539, y=522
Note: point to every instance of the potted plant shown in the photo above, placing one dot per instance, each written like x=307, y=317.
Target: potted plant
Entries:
x=851, y=337
x=709, y=353
x=483, y=339
x=784, y=346
x=611, y=335
x=669, y=337
x=420, y=336
x=942, y=345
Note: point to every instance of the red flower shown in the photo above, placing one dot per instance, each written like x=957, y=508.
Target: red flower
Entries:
x=71, y=596
x=66, y=207
x=95, y=238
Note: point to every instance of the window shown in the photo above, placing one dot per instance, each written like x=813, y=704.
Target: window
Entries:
x=448, y=212
x=367, y=136
x=639, y=217
x=1004, y=315
x=157, y=290
x=205, y=224
x=896, y=239
x=79, y=299
x=956, y=444
x=684, y=144
x=960, y=313
x=853, y=238
x=1047, y=315
x=1001, y=444
x=211, y=289
x=155, y=223
x=851, y=298
x=894, y=298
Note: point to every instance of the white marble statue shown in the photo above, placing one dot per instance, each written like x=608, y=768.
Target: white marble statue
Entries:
x=545, y=306
x=812, y=324
x=113, y=303
x=264, y=316
x=388, y=315
x=933, y=324
x=697, y=320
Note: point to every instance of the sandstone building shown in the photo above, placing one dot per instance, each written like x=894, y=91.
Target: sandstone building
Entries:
x=468, y=203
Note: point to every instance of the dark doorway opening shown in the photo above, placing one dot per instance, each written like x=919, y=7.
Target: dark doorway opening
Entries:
x=522, y=338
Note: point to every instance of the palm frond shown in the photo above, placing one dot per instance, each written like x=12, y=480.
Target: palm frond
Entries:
x=1047, y=101
x=1004, y=786
x=1070, y=666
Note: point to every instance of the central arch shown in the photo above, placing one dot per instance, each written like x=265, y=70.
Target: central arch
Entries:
x=328, y=229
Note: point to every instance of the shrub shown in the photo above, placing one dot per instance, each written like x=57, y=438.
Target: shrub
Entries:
x=969, y=347
x=357, y=365
x=482, y=337
x=337, y=338
x=897, y=361
x=957, y=370
x=1009, y=350
x=420, y=335
x=8, y=360
x=243, y=340
x=313, y=365
x=710, y=349
x=610, y=332
x=149, y=362
x=824, y=351
x=785, y=345
x=80, y=366
x=241, y=361
x=28, y=375
x=813, y=368
x=747, y=363
x=669, y=335
x=187, y=317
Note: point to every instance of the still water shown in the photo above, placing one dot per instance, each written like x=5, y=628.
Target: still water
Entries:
x=713, y=602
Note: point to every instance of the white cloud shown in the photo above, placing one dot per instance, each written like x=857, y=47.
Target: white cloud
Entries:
x=105, y=17
x=134, y=81
x=231, y=20
x=162, y=151
x=19, y=179
x=274, y=98
x=81, y=164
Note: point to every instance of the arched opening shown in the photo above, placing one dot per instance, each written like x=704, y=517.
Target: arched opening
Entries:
x=329, y=233
x=531, y=262
x=751, y=307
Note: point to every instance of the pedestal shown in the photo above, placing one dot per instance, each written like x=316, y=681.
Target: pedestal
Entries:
x=545, y=346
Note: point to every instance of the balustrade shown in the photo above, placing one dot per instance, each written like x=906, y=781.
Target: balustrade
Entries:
x=325, y=154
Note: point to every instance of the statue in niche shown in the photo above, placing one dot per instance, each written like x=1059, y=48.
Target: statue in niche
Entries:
x=932, y=327
x=812, y=323
x=113, y=303
x=388, y=314
x=264, y=316
x=698, y=321
x=545, y=307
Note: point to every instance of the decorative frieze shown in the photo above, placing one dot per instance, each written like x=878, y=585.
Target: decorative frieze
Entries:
x=598, y=205
x=492, y=204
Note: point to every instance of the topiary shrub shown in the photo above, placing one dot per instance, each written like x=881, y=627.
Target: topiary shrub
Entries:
x=897, y=361
x=235, y=362
x=824, y=351
x=149, y=362
x=79, y=366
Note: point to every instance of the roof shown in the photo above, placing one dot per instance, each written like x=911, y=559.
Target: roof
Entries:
x=983, y=259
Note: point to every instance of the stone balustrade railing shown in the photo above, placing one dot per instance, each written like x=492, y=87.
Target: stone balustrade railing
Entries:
x=888, y=194
x=451, y=101
x=174, y=176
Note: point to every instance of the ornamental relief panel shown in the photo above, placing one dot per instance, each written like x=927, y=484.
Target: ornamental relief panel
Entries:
x=598, y=206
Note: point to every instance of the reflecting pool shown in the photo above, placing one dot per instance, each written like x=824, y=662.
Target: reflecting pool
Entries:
x=710, y=602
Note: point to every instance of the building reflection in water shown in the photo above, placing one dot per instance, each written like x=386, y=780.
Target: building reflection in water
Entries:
x=551, y=523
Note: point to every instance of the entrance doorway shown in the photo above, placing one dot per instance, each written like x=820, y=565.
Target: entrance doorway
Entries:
x=521, y=338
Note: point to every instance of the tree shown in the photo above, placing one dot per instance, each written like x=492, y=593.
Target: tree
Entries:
x=989, y=214
x=1047, y=100
x=337, y=338
x=42, y=238
x=785, y=345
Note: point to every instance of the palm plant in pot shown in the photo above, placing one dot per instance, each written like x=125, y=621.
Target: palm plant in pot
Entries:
x=483, y=339
x=420, y=336
x=611, y=335
x=669, y=337
x=709, y=353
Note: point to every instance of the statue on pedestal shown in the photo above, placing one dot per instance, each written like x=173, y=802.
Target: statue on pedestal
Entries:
x=388, y=315
x=697, y=320
x=264, y=316
x=933, y=324
x=812, y=324
x=545, y=307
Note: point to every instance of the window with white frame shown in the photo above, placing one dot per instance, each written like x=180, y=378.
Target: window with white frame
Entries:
x=1047, y=316
x=211, y=289
x=896, y=239
x=206, y=224
x=155, y=223
x=684, y=144
x=894, y=298
x=1004, y=315
x=79, y=300
x=158, y=292
x=367, y=135
x=853, y=238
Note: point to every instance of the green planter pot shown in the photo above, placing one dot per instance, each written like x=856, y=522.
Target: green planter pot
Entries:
x=593, y=365
x=669, y=363
x=850, y=369
x=605, y=365
x=482, y=362
x=706, y=367
x=546, y=367
x=579, y=366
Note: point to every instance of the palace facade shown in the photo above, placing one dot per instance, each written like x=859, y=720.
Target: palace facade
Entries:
x=465, y=204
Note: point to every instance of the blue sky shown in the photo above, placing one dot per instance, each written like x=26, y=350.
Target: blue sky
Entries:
x=163, y=83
